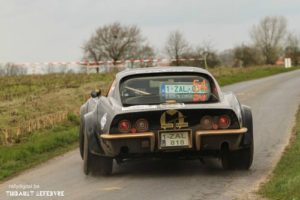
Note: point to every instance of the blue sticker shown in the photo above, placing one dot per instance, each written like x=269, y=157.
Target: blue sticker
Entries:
x=163, y=88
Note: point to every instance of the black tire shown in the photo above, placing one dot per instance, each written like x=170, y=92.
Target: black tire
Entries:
x=87, y=157
x=81, y=138
x=240, y=159
x=243, y=158
x=226, y=159
x=95, y=164
x=105, y=165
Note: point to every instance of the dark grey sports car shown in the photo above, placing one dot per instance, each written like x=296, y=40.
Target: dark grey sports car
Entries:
x=164, y=112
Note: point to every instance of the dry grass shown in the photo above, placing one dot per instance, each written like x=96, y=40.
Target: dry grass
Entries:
x=26, y=113
x=12, y=87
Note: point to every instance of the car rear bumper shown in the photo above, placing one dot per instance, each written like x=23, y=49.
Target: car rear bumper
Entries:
x=148, y=142
x=207, y=138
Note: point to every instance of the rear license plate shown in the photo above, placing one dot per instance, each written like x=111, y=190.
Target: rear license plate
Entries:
x=175, y=139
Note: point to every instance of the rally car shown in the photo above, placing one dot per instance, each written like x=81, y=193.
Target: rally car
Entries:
x=160, y=112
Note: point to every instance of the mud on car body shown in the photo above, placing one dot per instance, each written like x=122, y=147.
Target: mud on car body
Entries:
x=163, y=112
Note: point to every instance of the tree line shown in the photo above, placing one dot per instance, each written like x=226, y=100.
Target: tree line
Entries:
x=269, y=41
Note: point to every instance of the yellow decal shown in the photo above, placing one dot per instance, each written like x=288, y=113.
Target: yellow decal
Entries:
x=176, y=123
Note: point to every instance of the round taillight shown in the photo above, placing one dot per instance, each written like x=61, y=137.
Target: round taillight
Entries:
x=142, y=125
x=124, y=126
x=224, y=121
x=206, y=122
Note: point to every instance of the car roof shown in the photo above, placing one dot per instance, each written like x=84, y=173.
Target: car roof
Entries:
x=163, y=69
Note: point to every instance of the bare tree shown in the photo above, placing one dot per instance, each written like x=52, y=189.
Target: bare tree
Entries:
x=292, y=49
x=2, y=70
x=145, y=52
x=93, y=50
x=53, y=69
x=204, y=51
x=268, y=36
x=11, y=69
x=50, y=69
x=113, y=42
x=245, y=55
x=176, y=45
x=227, y=57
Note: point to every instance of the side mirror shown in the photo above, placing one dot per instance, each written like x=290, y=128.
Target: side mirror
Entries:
x=95, y=93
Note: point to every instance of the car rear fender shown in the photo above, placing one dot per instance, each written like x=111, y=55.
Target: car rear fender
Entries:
x=98, y=122
x=90, y=129
x=248, y=123
x=231, y=100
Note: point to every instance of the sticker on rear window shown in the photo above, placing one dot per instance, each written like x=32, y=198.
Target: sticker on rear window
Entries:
x=194, y=91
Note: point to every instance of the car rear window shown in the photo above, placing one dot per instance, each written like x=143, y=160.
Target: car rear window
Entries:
x=166, y=88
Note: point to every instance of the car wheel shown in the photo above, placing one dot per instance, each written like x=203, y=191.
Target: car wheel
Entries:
x=95, y=164
x=240, y=159
x=245, y=155
x=104, y=165
x=226, y=159
x=244, y=158
x=87, y=157
x=81, y=139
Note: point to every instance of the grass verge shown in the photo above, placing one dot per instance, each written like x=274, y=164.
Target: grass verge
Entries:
x=226, y=76
x=285, y=181
x=44, y=144
x=37, y=148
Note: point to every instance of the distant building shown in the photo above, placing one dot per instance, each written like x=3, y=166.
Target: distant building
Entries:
x=280, y=61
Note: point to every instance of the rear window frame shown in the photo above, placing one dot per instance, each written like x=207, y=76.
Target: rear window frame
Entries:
x=212, y=83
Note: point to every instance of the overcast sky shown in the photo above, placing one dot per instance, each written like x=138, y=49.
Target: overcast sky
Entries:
x=54, y=30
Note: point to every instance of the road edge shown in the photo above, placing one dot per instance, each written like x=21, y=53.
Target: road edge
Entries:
x=255, y=193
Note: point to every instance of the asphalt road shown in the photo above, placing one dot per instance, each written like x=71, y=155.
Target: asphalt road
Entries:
x=274, y=101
